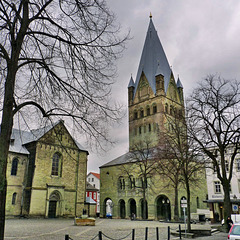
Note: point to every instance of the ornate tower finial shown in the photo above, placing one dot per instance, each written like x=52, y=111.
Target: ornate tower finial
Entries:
x=150, y=15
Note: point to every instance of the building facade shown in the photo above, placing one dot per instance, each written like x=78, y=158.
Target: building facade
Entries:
x=46, y=173
x=215, y=189
x=92, y=198
x=94, y=179
x=152, y=97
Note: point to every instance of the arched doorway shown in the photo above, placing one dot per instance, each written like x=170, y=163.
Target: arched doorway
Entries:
x=54, y=204
x=163, y=208
x=122, y=209
x=108, y=208
x=132, y=207
x=144, y=215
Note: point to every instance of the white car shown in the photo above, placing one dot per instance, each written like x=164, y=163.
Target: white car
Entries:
x=234, y=233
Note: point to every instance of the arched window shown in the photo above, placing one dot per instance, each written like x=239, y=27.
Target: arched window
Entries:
x=135, y=115
x=132, y=182
x=141, y=113
x=171, y=110
x=14, y=197
x=56, y=165
x=166, y=108
x=149, y=127
x=14, y=167
x=148, y=111
x=154, y=109
x=121, y=182
x=140, y=130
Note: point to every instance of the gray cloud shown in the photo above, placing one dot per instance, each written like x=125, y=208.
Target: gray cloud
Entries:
x=199, y=38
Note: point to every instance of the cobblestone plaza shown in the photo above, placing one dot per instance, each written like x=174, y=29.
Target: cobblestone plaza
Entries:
x=56, y=229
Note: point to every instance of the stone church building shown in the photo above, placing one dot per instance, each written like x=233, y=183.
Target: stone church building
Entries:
x=153, y=95
x=46, y=173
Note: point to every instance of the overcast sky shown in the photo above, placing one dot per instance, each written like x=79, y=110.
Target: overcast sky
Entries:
x=199, y=37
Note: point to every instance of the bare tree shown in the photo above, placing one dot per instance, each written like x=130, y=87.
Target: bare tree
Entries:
x=57, y=57
x=179, y=150
x=214, y=117
x=141, y=165
x=170, y=169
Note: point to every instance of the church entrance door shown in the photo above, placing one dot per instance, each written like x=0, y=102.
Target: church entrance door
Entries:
x=52, y=209
x=54, y=205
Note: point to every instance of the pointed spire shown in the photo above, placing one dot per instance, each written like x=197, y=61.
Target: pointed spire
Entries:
x=153, y=60
x=159, y=71
x=150, y=15
x=131, y=82
x=179, y=84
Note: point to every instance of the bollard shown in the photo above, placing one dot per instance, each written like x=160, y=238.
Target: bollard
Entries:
x=168, y=233
x=146, y=233
x=66, y=237
x=180, y=232
x=133, y=234
x=157, y=233
x=100, y=235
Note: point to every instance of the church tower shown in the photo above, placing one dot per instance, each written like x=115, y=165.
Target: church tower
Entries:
x=154, y=94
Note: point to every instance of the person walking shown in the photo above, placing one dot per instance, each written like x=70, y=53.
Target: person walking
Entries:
x=229, y=223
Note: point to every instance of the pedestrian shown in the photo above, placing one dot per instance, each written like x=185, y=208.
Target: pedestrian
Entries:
x=229, y=223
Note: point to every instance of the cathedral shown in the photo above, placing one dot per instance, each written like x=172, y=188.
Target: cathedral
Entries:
x=154, y=94
x=46, y=173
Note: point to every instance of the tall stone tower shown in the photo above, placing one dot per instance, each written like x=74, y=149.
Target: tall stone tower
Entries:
x=154, y=95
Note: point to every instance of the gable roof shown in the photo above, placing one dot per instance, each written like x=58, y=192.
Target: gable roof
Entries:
x=153, y=60
x=97, y=175
x=20, y=138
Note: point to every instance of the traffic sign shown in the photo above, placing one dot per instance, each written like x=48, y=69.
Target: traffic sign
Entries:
x=234, y=207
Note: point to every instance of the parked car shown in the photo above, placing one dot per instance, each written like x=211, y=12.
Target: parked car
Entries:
x=234, y=232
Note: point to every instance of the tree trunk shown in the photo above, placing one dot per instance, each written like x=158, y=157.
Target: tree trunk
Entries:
x=144, y=203
x=176, y=211
x=227, y=203
x=5, y=135
x=188, y=207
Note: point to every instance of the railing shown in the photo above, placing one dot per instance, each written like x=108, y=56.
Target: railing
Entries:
x=100, y=235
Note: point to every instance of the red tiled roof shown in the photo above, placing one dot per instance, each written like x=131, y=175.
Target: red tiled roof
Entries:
x=97, y=175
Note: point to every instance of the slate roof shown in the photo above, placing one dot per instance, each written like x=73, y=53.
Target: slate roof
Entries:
x=153, y=60
x=19, y=138
x=131, y=83
x=125, y=158
x=179, y=84
x=131, y=157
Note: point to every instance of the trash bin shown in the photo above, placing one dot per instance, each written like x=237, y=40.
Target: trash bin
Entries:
x=202, y=218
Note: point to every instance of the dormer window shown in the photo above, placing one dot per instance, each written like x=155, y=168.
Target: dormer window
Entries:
x=12, y=141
